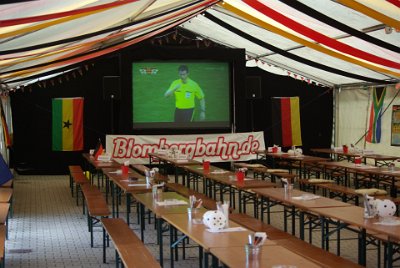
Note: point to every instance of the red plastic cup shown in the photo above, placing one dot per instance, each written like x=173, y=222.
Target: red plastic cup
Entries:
x=240, y=176
x=274, y=149
x=206, y=165
x=125, y=169
x=357, y=160
x=345, y=149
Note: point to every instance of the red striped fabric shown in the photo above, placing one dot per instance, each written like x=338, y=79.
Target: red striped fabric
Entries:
x=323, y=39
x=201, y=7
x=286, y=121
x=11, y=22
x=394, y=2
x=78, y=121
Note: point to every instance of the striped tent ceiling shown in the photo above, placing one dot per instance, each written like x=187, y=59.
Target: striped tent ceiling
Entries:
x=330, y=43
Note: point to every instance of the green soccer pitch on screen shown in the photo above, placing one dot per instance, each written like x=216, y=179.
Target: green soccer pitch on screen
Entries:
x=206, y=81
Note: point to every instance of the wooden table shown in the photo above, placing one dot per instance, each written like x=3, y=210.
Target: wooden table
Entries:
x=383, y=174
x=272, y=196
x=379, y=159
x=301, y=159
x=169, y=161
x=205, y=239
x=354, y=216
x=336, y=155
x=266, y=172
x=121, y=184
x=271, y=255
x=196, y=172
x=146, y=200
x=95, y=167
x=216, y=179
x=377, y=174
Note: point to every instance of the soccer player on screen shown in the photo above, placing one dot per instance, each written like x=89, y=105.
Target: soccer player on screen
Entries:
x=186, y=90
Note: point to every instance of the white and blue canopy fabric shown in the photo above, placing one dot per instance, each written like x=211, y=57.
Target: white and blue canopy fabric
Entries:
x=326, y=42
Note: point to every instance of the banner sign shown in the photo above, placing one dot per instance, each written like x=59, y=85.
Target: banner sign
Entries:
x=214, y=147
x=395, y=136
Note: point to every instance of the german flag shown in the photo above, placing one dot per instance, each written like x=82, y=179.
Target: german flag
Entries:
x=67, y=124
x=286, y=121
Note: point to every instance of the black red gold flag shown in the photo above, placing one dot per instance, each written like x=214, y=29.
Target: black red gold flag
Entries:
x=286, y=121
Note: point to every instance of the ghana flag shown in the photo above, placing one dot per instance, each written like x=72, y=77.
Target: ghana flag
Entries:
x=67, y=124
x=375, y=117
x=286, y=121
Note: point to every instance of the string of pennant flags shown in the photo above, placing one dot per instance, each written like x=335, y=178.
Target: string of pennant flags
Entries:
x=264, y=64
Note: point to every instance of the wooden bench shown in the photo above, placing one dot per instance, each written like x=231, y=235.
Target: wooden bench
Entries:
x=79, y=179
x=331, y=189
x=208, y=202
x=335, y=190
x=4, y=216
x=8, y=184
x=312, y=169
x=87, y=191
x=264, y=172
x=298, y=246
x=2, y=245
x=158, y=178
x=97, y=207
x=6, y=196
x=73, y=169
x=129, y=248
x=180, y=189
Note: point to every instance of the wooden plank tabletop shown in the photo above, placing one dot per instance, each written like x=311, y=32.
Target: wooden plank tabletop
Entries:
x=199, y=234
x=271, y=256
x=278, y=194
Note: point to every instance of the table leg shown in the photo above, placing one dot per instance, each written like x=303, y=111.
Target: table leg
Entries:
x=268, y=211
x=293, y=214
x=362, y=247
x=128, y=206
x=112, y=198
x=301, y=225
x=389, y=254
x=159, y=222
x=107, y=188
x=104, y=245
x=322, y=220
x=142, y=221
x=240, y=201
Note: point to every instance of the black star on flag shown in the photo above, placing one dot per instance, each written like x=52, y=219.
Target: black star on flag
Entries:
x=67, y=124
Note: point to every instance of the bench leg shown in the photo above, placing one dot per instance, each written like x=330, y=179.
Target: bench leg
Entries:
x=104, y=245
x=171, y=250
x=77, y=193
x=200, y=256
x=160, y=240
x=91, y=230
x=71, y=184
x=116, y=259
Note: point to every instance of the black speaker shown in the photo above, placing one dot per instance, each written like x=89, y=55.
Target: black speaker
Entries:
x=253, y=87
x=111, y=87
